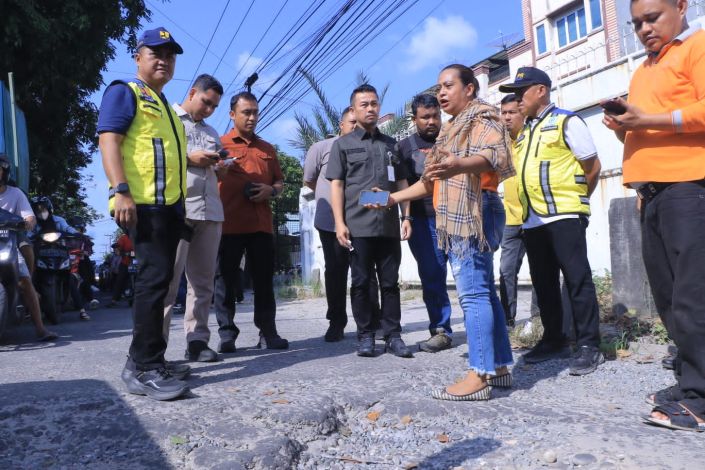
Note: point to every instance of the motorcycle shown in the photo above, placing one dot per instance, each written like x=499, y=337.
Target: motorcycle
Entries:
x=10, y=224
x=53, y=268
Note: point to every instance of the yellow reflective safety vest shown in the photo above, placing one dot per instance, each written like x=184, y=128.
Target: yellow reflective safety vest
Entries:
x=512, y=205
x=551, y=180
x=154, y=150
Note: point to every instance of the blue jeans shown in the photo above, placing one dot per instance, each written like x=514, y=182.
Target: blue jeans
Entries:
x=431, y=262
x=488, y=341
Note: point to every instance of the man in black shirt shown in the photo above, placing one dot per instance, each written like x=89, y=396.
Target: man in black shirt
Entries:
x=430, y=260
x=363, y=160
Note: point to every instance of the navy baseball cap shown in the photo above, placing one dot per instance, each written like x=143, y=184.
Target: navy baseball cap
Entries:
x=158, y=37
x=526, y=76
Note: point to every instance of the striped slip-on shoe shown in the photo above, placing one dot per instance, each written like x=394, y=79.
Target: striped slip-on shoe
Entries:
x=502, y=381
x=482, y=394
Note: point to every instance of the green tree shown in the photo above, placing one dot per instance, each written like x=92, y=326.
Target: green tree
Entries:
x=326, y=118
x=57, y=51
x=286, y=207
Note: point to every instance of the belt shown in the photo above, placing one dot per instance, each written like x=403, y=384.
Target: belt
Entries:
x=649, y=191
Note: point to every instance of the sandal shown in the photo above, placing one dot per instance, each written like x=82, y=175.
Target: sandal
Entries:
x=48, y=336
x=678, y=418
x=501, y=381
x=665, y=396
x=482, y=394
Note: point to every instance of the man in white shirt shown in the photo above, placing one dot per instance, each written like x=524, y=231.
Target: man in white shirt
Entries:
x=198, y=249
x=558, y=170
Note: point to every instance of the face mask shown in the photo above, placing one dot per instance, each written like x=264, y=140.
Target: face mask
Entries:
x=44, y=215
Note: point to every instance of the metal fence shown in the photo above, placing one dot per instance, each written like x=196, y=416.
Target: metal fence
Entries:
x=287, y=233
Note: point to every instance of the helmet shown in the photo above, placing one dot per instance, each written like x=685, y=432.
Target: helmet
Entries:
x=6, y=166
x=41, y=201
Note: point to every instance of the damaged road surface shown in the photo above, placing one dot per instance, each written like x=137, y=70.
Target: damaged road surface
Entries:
x=317, y=405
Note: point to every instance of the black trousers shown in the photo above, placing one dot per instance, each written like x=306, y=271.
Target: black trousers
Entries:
x=155, y=239
x=673, y=246
x=120, y=282
x=383, y=256
x=337, y=261
x=560, y=247
x=260, y=260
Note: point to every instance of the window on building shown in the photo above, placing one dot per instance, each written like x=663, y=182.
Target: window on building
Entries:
x=541, y=38
x=595, y=16
x=571, y=27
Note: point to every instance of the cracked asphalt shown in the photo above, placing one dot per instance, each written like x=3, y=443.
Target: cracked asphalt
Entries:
x=318, y=405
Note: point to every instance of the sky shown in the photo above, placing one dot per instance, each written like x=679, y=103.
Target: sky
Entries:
x=407, y=56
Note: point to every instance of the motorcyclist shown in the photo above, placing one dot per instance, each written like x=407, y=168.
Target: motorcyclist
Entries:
x=82, y=273
x=14, y=200
x=47, y=221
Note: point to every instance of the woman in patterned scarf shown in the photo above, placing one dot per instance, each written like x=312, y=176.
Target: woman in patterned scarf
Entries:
x=472, y=142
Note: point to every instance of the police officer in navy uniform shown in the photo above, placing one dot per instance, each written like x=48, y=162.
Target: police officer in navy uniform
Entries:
x=143, y=145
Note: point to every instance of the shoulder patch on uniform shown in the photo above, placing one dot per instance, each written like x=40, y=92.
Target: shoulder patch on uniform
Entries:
x=551, y=123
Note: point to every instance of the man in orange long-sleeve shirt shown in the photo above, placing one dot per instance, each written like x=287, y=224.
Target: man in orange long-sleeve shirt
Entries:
x=663, y=130
x=252, y=179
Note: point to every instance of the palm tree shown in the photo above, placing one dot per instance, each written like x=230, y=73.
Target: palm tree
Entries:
x=326, y=118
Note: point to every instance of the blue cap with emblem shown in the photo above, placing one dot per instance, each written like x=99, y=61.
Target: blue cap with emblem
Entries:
x=158, y=37
x=526, y=76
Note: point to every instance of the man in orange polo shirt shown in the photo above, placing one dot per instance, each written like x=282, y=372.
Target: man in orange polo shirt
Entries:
x=663, y=129
x=253, y=177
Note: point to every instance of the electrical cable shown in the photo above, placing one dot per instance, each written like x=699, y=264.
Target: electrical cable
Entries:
x=257, y=45
x=369, y=35
x=195, y=70
x=233, y=37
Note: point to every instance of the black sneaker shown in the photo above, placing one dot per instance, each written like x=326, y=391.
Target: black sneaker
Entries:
x=669, y=362
x=397, y=347
x=272, y=342
x=366, y=346
x=157, y=384
x=334, y=334
x=199, y=351
x=546, y=350
x=227, y=346
x=586, y=360
x=178, y=371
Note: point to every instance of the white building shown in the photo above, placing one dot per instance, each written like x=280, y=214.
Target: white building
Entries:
x=589, y=50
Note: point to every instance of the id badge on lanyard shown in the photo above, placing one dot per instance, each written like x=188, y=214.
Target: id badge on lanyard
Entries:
x=390, y=168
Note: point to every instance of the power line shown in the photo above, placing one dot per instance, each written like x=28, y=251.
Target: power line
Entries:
x=195, y=71
x=233, y=37
x=375, y=28
x=257, y=45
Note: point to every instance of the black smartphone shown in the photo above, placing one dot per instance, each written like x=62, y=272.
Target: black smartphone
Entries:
x=222, y=155
x=614, y=107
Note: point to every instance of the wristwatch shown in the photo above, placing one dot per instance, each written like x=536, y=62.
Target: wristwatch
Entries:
x=274, y=191
x=407, y=217
x=121, y=188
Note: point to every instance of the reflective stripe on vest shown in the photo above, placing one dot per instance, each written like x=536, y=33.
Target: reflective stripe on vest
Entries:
x=552, y=182
x=154, y=150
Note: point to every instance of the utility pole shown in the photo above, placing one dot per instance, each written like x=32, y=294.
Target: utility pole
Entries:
x=13, y=123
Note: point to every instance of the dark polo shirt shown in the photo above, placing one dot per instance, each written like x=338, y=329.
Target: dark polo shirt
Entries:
x=413, y=151
x=361, y=160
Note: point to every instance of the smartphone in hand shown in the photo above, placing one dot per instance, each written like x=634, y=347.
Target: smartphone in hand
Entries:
x=373, y=197
x=222, y=155
x=613, y=107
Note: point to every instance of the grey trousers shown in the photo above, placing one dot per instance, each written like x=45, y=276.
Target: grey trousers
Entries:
x=198, y=257
x=510, y=262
